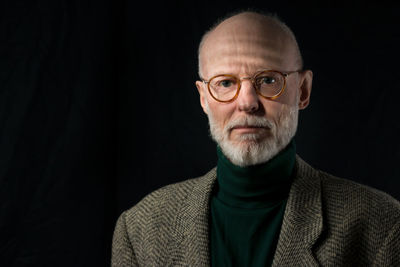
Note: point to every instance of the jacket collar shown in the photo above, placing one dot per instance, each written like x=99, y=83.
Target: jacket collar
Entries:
x=302, y=221
x=192, y=228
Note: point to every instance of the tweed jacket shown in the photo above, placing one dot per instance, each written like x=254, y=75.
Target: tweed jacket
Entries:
x=328, y=221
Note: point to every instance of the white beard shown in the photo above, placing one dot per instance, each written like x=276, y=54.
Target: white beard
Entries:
x=252, y=148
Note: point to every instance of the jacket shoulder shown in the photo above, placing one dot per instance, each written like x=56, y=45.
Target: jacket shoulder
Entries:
x=354, y=196
x=148, y=228
x=363, y=220
x=162, y=203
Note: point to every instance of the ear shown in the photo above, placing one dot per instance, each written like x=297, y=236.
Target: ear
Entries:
x=305, y=88
x=201, y=88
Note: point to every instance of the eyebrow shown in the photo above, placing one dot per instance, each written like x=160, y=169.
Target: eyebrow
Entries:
x=257, y=71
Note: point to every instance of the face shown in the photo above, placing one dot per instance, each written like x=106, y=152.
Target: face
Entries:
x=251, y=129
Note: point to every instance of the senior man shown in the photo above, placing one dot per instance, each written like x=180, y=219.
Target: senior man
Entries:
x=262, y=205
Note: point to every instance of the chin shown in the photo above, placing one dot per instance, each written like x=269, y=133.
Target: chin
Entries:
x=250, y=151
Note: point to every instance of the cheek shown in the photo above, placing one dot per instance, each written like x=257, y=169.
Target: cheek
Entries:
x=221, y=112
x=273, y=109
x=277, y=106
x=291, y=92
x=288, y=97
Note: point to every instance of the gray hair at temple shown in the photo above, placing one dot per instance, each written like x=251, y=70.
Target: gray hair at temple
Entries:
x=270, y=17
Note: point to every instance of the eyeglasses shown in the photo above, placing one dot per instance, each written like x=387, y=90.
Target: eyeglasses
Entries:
x=269, y=84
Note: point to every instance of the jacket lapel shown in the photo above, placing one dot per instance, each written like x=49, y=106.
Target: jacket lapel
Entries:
x=302, y=221
x=301, y=227
x=191, y=230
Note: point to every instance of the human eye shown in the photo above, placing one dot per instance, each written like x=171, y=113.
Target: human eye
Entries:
x=226, y=83
x=223, y=83
x=266, y=80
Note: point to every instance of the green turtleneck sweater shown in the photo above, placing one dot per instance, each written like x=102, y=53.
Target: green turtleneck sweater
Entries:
x=247, y=209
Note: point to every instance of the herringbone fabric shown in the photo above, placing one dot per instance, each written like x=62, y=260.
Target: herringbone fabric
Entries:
x=328, y=221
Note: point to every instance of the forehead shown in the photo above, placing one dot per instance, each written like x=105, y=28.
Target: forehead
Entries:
x=246, y=46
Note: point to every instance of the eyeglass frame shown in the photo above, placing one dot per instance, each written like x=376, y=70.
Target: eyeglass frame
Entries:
x=251, y=78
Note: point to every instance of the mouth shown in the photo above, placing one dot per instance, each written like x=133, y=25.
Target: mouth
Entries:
x=248, y=128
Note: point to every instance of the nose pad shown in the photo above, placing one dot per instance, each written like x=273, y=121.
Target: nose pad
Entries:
x=248, y=100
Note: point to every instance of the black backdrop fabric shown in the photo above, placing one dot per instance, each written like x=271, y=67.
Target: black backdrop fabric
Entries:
x=58, y=138
x=98, y=107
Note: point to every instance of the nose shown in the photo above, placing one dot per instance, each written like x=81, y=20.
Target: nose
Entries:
x=248, y=100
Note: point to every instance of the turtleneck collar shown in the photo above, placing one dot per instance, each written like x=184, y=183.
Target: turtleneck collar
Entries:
x=256, y=186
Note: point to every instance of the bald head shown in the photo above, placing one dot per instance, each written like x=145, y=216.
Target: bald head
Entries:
x=250, y=34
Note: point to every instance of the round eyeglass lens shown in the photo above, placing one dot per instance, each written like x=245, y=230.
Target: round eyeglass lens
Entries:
x=269, y=83
x=223, y=87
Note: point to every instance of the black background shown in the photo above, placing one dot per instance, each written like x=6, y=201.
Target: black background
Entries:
x=98, y=107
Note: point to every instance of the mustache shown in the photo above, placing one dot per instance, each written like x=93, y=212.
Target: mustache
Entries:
x=253, y=121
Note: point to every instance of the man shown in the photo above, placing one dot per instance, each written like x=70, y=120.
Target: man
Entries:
x=262, y=205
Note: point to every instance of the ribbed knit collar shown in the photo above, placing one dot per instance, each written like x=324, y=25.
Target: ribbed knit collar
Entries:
x=256, y=186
